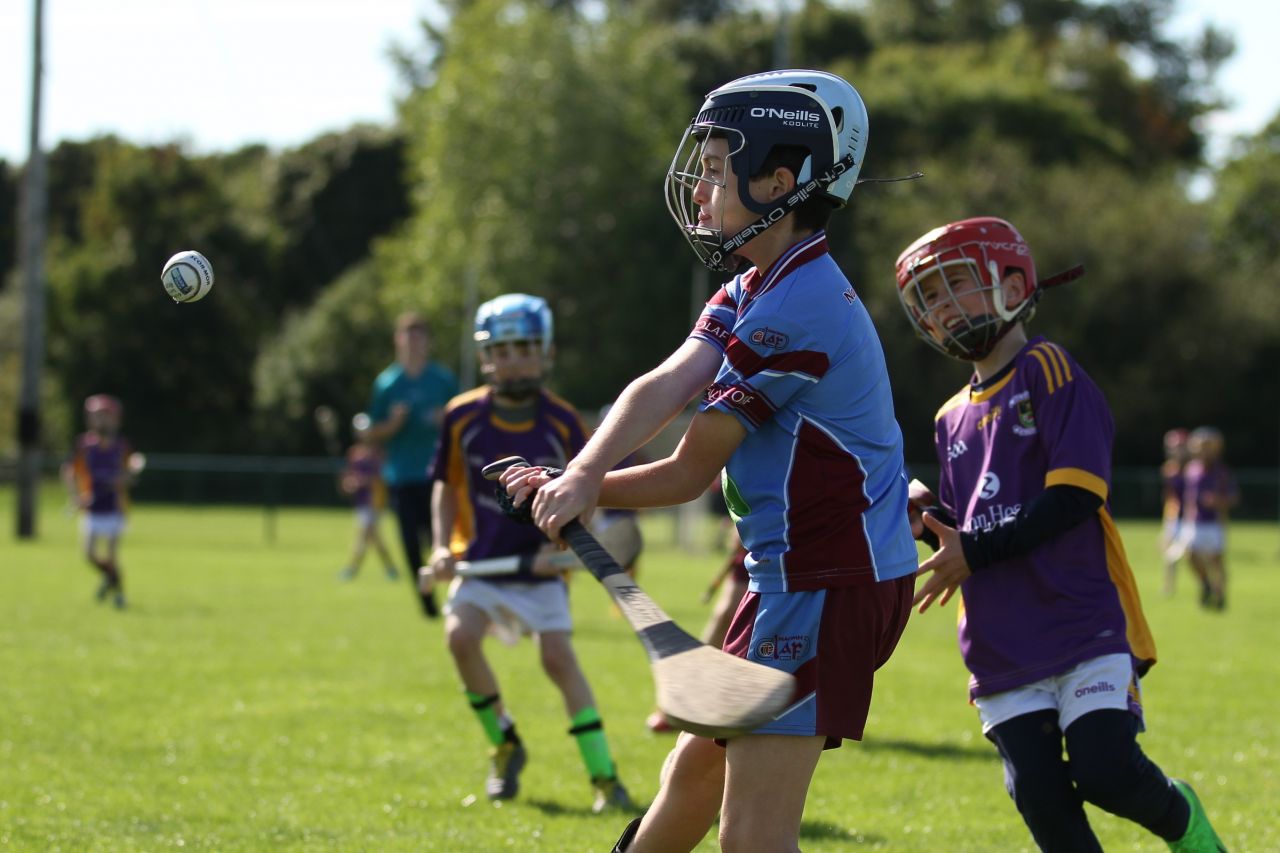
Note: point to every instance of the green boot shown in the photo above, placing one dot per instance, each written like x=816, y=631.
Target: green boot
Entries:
x=1199, y=837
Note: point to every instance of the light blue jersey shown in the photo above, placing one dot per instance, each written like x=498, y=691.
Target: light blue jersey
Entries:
x=818, y=486
x=409, y=452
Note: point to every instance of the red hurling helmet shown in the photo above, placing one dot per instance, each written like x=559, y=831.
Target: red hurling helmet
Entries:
x=102, y=403
x=988, y=250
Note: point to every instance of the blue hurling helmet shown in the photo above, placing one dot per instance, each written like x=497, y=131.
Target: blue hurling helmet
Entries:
x=514, y=317
x=809, y=109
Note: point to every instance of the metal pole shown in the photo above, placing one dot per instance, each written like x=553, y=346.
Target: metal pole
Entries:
x=782, y=38
x=31, y=253
x=466, y=343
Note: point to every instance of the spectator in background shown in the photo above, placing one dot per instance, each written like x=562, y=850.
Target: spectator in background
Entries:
x=1173, y=484
x=362, y=481
x=99, y=474
x=1210, y=493
x=405, y=408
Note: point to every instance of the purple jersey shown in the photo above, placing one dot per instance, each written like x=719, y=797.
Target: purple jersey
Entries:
x=1174, y=483
x=364, y=470
x=1040, y=422
x=1208, y=490
x=817, y=487
x=100, y=472
x=472, y=436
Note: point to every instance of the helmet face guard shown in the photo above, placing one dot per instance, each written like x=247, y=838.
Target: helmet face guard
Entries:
x=959, y=261
x=818, y=112
x=511, y=319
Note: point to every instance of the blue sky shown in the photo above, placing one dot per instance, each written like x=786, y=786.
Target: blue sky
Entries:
x=219, y=74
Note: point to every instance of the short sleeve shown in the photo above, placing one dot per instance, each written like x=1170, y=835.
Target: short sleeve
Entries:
x=769, y=360
x=439, y=470
x=1072, y=419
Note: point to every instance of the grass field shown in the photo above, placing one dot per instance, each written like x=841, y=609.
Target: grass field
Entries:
x=248, y=700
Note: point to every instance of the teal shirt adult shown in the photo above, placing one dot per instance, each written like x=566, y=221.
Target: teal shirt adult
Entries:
x=410, y=450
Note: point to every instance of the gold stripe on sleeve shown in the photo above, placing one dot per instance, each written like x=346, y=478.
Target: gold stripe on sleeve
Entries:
x=1051, y=357
x=1062, y=359
x=1044, y=368
x=1077, y=477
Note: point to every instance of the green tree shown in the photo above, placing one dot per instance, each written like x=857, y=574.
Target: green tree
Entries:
x=181, y=370
x=325, y=355
x=539, y=168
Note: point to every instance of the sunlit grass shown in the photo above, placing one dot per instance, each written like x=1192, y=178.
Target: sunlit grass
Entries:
x=248, y=700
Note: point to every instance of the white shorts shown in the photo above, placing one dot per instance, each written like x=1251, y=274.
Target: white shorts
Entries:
x=367, y=516
x=1106, y=682
x=514, y=609
x=1174, y=548
x=110, y=524
x=1203, y=537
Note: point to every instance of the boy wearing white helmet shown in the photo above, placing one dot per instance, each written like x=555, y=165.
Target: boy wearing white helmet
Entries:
x=1051, y=627
x=794, y=404
x=511, y=414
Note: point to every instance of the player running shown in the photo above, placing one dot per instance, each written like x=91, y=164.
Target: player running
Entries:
x=1050, y=626
x=361, y=479
x=1211, y=492
x=512, y=415
x=794, y=402
x=99, y=473
x=1172, y=486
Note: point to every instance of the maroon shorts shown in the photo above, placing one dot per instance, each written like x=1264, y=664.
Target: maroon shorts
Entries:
x=833, y=641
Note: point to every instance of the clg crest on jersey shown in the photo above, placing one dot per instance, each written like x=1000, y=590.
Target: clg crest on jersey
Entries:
x=766, y=337
x=1026, y=423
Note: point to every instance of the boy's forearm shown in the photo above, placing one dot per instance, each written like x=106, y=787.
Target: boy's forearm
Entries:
x=656, y=484
x=444, y=512
x=646, y=406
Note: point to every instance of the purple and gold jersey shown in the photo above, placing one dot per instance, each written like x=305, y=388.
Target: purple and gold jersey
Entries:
x=817, y=487
x=473, y=435
x=100, y=472
x=1207, y=489
x=364, y=467
x=1041, y=422
x=1173, y=485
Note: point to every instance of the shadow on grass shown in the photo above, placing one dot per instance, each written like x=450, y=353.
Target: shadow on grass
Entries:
x=809, y=829
x=818, y=830
x=977, y=752
x=552, y=808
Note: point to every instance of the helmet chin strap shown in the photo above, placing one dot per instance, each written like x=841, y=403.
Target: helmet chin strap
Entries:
x=520, y=390
x=724, y=257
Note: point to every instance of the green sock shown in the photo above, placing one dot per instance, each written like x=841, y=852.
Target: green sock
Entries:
x=589, y=731
x=484, y=706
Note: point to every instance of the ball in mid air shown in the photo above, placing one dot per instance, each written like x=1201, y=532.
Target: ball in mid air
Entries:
x=187, y=277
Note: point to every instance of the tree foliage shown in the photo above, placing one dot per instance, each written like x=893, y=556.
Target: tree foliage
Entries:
x=530, y=154
x=539, y=169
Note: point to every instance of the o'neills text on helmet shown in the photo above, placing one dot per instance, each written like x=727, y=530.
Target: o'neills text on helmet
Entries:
x=761, y=224
x=792, y=118
x=830, y=177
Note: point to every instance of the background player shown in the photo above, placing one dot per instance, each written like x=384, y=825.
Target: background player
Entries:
x=1211, y=492
x=405, y=407
x=99, y=474
x=511, y=415
x=796, y=407
x=1173, y=484
x=1051, y=627
x=361, y=479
